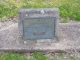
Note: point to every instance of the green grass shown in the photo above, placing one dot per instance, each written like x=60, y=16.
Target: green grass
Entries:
x=38, y=56
x=12, y=56
x=62, y=56
x=68, y=8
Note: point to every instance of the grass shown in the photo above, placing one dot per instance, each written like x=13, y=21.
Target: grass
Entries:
x=62, y=56
x=38, y=56
x=68, y=8
x=12, y=56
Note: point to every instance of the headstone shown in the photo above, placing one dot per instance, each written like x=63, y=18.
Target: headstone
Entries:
x=41, y=23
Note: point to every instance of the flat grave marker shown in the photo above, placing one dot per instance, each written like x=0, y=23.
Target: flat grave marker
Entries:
x=41, y=23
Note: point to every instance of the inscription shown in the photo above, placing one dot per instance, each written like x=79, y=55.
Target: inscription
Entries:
x=39, y=33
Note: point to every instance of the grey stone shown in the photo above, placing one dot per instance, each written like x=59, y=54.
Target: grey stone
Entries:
x=37, y=24
x=69, y=38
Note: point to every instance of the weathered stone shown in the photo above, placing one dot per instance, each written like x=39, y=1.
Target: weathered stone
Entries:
x=37, y=24
x=10, y=39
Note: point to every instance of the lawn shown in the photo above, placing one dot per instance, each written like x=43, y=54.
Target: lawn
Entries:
x=38, y=56
x=69, y=9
